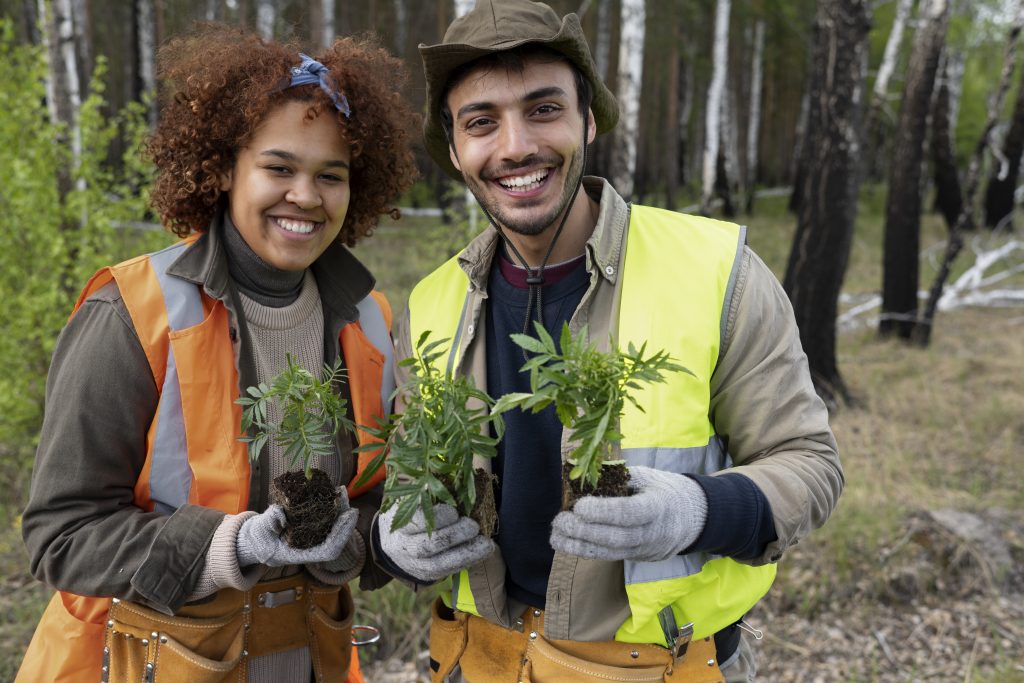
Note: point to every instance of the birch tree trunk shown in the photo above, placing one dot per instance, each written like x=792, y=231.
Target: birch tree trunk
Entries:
x=602, y=46
x=923, y=331
x=797, y=167
x=401, y=25
x=670, y=155
x=63, y=87
x=145, y=31
x=214, y=9
x=266, y=17
x=754, y=118
x=327, y=30
x=716, y=90
x=903, y=205
x=879, y=117
x=630, y=77
x=821, y=246
x=999, y=199
x=727, y=172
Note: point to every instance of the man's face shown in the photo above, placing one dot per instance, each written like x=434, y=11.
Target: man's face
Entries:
x=518, y=140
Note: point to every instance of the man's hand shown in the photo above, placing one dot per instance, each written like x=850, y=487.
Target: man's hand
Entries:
x=664, y=517
x=454, y=544
x=259, y=540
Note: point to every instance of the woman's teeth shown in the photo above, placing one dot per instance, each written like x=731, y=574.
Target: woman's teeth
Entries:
x=302, y=227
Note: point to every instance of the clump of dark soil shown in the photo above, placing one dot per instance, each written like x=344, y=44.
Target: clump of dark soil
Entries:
x=485, y=510
x=613, y=483
x=310, y=506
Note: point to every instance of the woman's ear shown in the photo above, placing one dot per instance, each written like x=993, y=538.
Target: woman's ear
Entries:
x=225, y=180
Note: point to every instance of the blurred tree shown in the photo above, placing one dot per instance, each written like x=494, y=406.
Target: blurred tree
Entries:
x=715, y=99
x=1002, y=182
x=633, y=19
x=903, y=204
x=831, y=157
x=948, y=196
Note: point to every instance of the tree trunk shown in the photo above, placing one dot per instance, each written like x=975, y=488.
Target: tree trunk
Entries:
x=727, y=171
x=602, y=46
x=401, y=25
x=716, y=91
x=798, y=163
x=630, y=78
x=145, y=31
x=670, y=155
x=999, y=199
x=30, y=16
x=903, y=205
x=821, y=246
x=63, y=87
x=266, y=18
x=685, y=112
x=754, y=117
x=214, y=10
x=948, y=195
x=923, y=331
x=879, y=117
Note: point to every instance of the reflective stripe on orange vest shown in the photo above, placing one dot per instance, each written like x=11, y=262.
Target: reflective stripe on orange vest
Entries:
x=192, y=453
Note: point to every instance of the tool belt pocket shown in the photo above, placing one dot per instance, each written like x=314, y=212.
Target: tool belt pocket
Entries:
x=448, y=636
x=580, y=662
x=329, y=620
x=141, y=644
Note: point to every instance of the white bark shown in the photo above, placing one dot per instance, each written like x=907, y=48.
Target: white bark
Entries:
x=463, y=6
x=212, y=10
x=754, y=119
x=602, y=46
x=51, y=87
x=401, y=19
x=892, y=50
x=146, y=48
x=327, y=18
x=630, y=78
x=266, y=17
x=713, y=118
x=69, y=67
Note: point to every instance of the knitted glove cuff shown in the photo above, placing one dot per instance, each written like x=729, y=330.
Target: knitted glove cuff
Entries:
x=346, y=567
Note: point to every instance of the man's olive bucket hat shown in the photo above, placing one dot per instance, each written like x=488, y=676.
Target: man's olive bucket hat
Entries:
x=498, y=25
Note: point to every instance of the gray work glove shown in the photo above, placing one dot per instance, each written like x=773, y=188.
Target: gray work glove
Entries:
x=259, y=540
x=454, y=544
x=664, y=517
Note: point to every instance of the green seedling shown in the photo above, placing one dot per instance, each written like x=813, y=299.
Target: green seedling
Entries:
x=589, y=389
x=430, y=445
x=312, y=414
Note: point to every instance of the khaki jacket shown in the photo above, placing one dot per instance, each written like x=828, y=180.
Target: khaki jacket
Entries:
x=763, y=406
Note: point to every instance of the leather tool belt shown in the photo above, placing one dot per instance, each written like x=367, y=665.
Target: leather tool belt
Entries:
x=212, y=641
x=493, y=654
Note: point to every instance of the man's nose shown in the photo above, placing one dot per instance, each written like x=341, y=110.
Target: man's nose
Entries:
x=517, y=141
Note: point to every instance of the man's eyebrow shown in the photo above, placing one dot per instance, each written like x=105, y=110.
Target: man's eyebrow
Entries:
x=288, y=156
x=538, y=94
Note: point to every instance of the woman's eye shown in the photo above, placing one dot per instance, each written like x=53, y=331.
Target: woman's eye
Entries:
x=332, y=178
x=279, y=169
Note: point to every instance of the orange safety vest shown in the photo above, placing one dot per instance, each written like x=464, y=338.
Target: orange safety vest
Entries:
x=191, y=456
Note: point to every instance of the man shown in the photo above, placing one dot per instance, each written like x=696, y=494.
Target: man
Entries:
x=730, y=467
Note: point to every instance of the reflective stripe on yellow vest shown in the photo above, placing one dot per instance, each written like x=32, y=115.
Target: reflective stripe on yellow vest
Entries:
x=676, y=284
x=193, y=455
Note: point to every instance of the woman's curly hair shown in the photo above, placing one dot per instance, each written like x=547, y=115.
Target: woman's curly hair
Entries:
x=222, y=83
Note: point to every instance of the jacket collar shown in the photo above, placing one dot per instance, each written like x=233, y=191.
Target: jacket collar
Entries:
x=342, y=280
x=604, y=247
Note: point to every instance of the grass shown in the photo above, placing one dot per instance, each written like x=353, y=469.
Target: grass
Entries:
x=939, y=427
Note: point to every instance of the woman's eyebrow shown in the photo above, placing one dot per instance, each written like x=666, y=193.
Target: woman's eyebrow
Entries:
x=288, y=156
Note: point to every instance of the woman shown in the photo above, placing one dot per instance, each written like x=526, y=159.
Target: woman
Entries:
x=268, y=163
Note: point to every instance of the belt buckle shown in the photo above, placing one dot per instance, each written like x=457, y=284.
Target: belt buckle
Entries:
x=285, y=597
x=682, y=641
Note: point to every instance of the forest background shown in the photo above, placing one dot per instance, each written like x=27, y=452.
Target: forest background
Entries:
x=873, y=150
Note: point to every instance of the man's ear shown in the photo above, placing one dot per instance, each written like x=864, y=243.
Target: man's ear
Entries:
x=225, y=180
x=591, y=126
x=455, y=158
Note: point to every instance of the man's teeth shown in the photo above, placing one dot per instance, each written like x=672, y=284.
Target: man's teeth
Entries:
x=302, y=227
x=524, y=183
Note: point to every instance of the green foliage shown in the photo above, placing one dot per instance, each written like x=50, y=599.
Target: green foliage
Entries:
x=430, y=446
x=52, y=243
x=589, y=389
x=312, y=414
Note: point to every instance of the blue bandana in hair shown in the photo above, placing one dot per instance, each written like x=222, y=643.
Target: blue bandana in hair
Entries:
x=312, y=72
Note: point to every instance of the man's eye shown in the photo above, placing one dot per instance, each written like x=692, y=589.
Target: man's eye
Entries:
x=479, y=122
x=547, y=109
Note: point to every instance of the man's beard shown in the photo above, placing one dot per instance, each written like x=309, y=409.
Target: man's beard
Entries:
x=525, y=225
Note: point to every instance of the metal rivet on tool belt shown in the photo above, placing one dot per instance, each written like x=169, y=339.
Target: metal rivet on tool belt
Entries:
x=533, y=635
x=245, y=653
x=711, y=662
x=106, y=650
x=144, y=641
x=154, y=635
x=115, y=600
x=110, y=624
x=149, y=666
x=262, y=599
x=163, y=639
x=536, y=612
x=634, y=653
